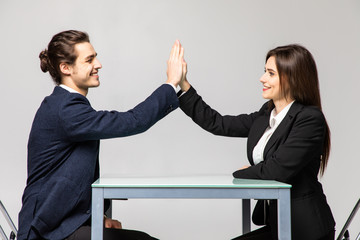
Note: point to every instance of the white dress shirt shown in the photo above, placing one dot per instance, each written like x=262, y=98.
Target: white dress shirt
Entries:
x=274, y=122
x=68, y=88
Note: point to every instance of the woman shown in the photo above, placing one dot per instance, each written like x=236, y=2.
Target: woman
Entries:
x=288, y=141
x=63, y=147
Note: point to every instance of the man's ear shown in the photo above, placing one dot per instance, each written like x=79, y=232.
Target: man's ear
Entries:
x=65, y=69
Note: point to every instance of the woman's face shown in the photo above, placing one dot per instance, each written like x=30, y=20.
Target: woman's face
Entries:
x=271, y=81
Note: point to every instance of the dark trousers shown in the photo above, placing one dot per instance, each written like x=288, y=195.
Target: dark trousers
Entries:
x=84, y=233
x=264, y=233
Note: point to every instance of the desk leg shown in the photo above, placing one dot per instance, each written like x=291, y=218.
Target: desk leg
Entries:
x=97, y=214
x=284, y=215
x=246, y=215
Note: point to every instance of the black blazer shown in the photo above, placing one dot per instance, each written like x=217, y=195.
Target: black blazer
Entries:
x=63, y=157
x=292, y=155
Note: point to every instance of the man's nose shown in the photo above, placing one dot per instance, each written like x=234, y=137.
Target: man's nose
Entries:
x=97, y=64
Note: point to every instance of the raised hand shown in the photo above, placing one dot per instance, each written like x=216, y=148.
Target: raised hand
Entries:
x=184, y=84
x=175, y=63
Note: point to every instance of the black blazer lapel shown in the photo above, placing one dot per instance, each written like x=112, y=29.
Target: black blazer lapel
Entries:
x=256, y=132
x=282, y=130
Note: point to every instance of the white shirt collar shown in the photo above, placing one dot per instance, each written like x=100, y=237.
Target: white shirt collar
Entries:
x=68, y=88
x=275, y=120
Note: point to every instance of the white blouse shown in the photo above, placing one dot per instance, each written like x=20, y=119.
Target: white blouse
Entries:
x=274, y=122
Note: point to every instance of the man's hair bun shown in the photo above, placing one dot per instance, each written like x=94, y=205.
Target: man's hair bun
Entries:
x=44, y=61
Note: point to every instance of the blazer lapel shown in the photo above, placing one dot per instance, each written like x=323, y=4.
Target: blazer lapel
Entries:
x=283, y=127
x=258, y=130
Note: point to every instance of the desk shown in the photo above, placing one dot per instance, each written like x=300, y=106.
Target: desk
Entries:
x=196, y=187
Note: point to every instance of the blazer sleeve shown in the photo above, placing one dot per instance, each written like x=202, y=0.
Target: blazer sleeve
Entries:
x=212, y=121
x=302, y=143
x=81, y=122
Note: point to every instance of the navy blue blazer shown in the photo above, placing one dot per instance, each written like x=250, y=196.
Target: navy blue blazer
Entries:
x=292, y=155
x=63, y=157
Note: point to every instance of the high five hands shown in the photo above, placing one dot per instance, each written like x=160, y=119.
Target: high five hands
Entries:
x=177, y=67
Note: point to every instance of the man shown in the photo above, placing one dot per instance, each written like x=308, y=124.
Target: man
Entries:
x=63, y=147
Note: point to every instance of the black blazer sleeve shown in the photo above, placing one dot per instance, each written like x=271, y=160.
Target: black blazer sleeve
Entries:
x=209, y=119
x=296, y=144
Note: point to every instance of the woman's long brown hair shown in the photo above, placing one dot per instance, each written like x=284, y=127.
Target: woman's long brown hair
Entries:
x=297, y=68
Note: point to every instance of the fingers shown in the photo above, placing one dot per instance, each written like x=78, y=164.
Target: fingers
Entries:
x=184, y=68
x=117, y=225
x=177, y=51
x=174, y=54
x=175, y=64
x=111, y=223
x=184, y=84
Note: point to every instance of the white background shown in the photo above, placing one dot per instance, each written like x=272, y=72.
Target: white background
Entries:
x=225, y=46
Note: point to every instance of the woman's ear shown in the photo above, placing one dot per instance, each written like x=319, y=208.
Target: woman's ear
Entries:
x=65, y=69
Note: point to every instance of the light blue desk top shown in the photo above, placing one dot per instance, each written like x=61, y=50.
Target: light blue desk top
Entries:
x=200, y=181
